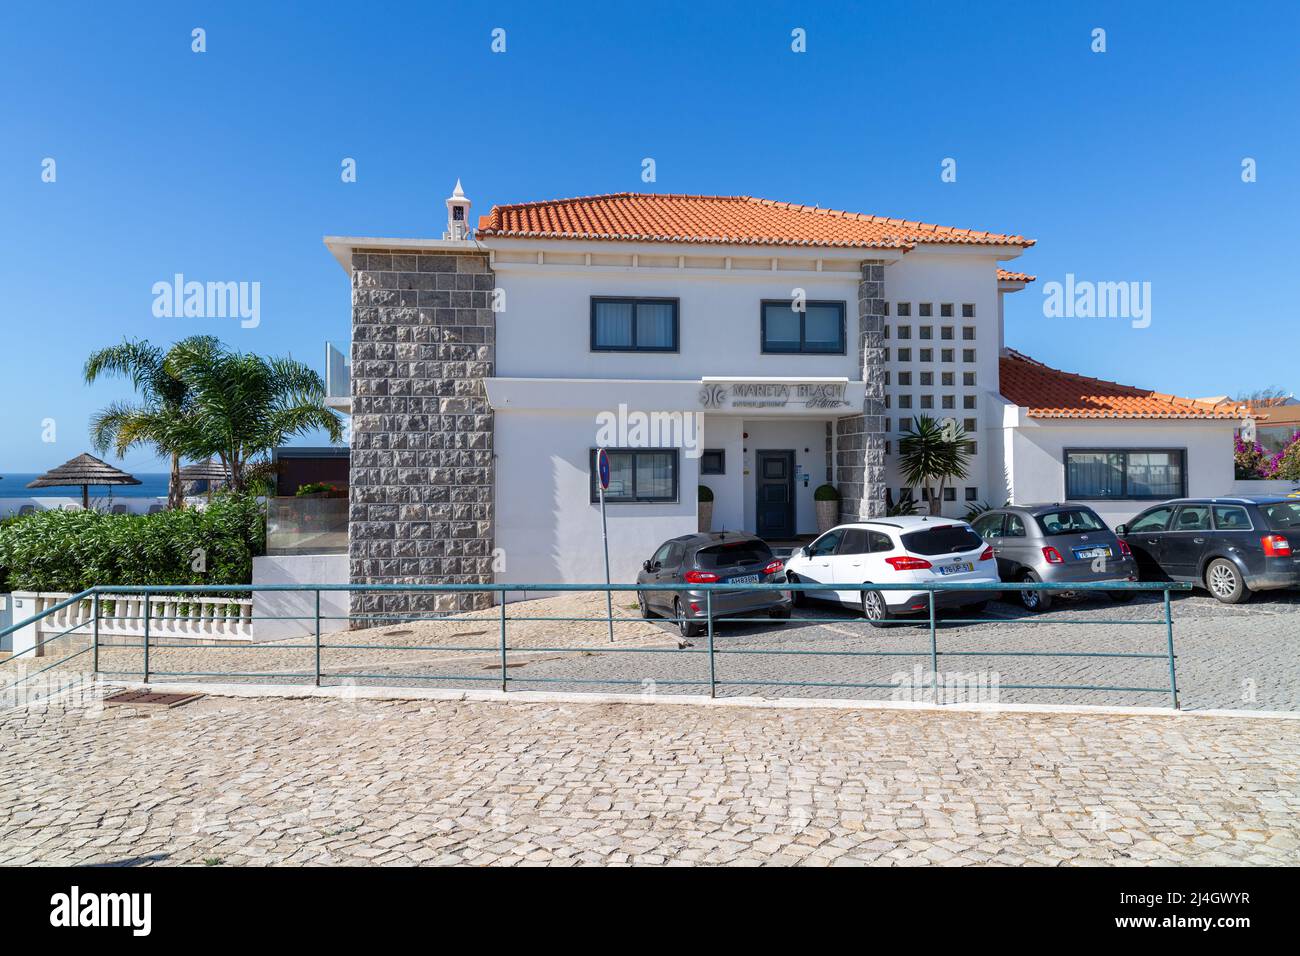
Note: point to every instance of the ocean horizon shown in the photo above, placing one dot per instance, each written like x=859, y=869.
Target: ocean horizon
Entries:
x=14, y=485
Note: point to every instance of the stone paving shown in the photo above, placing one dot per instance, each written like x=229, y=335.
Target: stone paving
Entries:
x=264, y=780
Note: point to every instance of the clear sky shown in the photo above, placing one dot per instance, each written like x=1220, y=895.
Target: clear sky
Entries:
x=225, y=166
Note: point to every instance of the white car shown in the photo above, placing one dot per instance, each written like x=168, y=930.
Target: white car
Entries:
x=900, y=550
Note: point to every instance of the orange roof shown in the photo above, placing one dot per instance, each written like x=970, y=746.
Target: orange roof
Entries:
x=1005, y=276
x=1051, y=393
x=733, y=220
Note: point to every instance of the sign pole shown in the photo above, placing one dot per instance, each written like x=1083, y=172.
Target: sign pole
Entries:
x=602, y=469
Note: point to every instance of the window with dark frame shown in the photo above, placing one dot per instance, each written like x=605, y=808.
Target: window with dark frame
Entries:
x=634, y=324
x=817, y=329
x=1099, y=474
x=713, y=461
x=637, y=475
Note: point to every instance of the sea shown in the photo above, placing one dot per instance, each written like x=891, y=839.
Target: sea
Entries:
x=14, y=485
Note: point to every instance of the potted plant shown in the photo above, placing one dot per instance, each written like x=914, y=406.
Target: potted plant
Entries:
x=705, y=500
x=827, y=500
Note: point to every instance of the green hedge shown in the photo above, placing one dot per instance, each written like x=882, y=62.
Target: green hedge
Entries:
x=74, y=550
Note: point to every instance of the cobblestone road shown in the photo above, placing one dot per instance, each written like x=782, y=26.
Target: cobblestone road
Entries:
x=237, y=781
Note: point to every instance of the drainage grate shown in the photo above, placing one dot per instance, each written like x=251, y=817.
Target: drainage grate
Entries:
x=152, y=698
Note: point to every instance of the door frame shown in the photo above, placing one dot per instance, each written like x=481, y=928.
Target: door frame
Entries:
x=759, y=481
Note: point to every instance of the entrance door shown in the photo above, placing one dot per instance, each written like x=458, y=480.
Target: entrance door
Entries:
x=774, y=494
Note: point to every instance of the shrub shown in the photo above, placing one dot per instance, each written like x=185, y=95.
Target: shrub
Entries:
x=705, y=493
x=826, y=493
x=75, y=550
x=317, y=488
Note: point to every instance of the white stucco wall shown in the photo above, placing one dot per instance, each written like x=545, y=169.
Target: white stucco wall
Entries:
x=271, y=607
x=1038, y=446
x=725, y=432
x=807, y=439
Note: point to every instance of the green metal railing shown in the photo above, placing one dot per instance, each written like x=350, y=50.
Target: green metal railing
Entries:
x=502, y=649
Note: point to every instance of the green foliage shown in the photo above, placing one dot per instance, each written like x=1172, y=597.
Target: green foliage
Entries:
x=705, y=493
x=826, y=493
x=933, y=455
x=316, y=488
x=903, y=507
x=74, y=550
x=1288, y=465
x=977, y=508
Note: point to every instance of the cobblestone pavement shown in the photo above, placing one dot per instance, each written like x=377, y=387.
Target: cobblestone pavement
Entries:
x=265, y=780
x=1244, y=657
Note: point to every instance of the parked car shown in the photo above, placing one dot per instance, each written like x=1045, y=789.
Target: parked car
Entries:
x=716, y=557
x=895, y=550
x=1232, y=547
x=1062, y=543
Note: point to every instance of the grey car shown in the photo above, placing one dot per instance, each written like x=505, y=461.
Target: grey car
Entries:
x=1061, y=543
x=717, y=557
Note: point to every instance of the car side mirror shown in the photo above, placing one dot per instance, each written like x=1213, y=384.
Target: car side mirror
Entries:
x=1121, y=529
x=803, y=552
x=648, y=565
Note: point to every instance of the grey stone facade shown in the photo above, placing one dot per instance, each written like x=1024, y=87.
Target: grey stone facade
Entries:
x=422, y=477
x=860, y=439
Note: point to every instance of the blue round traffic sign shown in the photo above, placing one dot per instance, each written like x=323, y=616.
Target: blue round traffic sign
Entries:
x=602, y=468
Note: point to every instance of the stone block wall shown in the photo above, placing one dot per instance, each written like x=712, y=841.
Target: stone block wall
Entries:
x=422, y=477
x=860, y=439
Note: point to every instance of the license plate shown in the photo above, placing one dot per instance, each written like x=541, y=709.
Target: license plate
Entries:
x=956, y=568
x=744, y=579
x=1087, y=554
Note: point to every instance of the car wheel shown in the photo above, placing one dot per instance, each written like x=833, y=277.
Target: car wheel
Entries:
x=780, y=613
x=645, y=606
x=1036, y=601
x=1121, y=597
x=797, y=598
x=686, y=628
x=1224, y=581
x=875, y=610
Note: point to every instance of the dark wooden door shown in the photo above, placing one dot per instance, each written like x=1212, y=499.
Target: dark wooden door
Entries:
x=774, y=494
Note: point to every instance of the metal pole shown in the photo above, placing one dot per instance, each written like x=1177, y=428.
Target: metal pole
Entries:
x=604, y=537
x=934, y=650
x=1169, y=633
x=318, y=637
x=95, y=630
x=503, y=641
x=146, y=637
x=713, y=674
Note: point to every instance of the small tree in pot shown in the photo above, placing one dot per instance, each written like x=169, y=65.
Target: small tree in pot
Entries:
x=705, y=512
x=827, y=501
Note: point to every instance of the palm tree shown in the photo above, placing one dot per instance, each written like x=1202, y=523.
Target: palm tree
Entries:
x=160, y=418
x=242, y=405
x=933, y=454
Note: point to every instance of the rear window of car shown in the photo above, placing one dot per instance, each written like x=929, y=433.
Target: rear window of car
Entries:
x=733, y=555
x=1069, y=521
x=949, y=539
x=1283, y=516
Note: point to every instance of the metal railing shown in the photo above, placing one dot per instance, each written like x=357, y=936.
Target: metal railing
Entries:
x=320, y=644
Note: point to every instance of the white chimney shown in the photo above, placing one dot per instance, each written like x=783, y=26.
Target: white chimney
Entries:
x=457, y=215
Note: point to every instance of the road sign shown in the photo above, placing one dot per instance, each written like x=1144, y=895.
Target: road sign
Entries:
x=602, y=471
x=602, y=468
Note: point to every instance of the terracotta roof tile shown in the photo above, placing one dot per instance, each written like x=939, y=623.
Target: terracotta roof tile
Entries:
x=1051, y=393
x=1005, y=276
x=738, y=220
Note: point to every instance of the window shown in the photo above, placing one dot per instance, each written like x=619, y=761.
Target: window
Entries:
x=886, y=305
x=1283, y=516
x=637, y=474
x=949, y=401
x=736, y=554
x=904, y=378
x=927, y=355
x=969, y=424
x=968, y=310
x=1125, y=473
x=927, y=310
x=1069, y=521
x=878, y=543
x=968, y=333
x=713, y=461
x=968, y=379
x=927, y=378
x=946, y=333
x=854, y=542
x=1231, y=518
x=633, y=325
x=1155, y=520
x=905, y=425
x=948, y=539
x=817, y=329
x=946, y=355
x=826, y=544
x=904, y=308
x=972, y=448
x=886, y=332
x=905, y=355
x=1192, y=518
x=1015, y=526
x=968, y=355
x=904, y=401
x=904, y=494
x=950, y=494
x=945, y=310
x=886, y=376
x=927, y=401
x=904, y=331
x=968, y=401
x=926, y=331
x=972, y=494
x=986, y=526
x=947, y=379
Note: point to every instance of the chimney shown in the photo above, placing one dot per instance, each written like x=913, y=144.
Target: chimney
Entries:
x=457, y=215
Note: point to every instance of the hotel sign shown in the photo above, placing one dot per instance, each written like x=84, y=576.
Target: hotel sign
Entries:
x=774, y=395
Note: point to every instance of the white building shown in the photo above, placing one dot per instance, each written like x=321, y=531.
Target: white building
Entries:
x=761, y=349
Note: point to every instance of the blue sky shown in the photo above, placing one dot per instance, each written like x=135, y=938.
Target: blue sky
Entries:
x=225, y=165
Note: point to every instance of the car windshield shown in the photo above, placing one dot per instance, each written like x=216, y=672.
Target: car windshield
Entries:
x=1069, y=521
x=947, y=539
x=1282, y=516
x=733, y=555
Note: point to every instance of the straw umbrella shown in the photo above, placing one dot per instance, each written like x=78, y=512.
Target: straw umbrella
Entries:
x=84, y=470
x=209, y=471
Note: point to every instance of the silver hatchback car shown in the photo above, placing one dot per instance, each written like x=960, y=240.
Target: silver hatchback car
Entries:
x=1062, y=543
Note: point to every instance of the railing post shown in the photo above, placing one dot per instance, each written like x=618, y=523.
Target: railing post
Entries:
x=1169, y=633
x=501, y=595
x=934, y=650
x=94, y=627
x=146, y=637
x=318, y=637
x=713, y=673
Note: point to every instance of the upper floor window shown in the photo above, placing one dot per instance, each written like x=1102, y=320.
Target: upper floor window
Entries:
x=633, y=325
x=819, y=328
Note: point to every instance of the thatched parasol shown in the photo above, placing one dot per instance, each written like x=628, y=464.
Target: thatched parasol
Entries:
x=210, y=471
x=84, y=470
